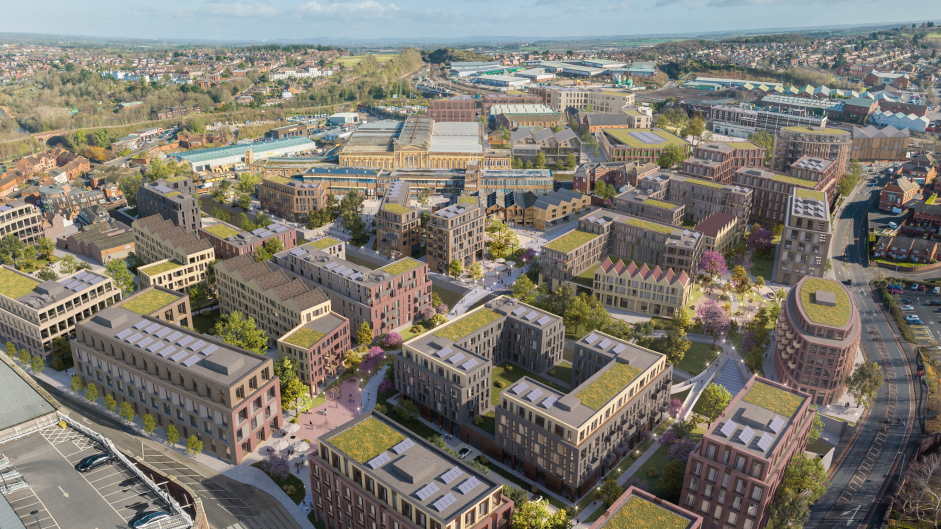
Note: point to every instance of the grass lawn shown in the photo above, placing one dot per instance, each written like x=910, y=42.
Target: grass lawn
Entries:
x=449, y=297
x=501, y=374
x=416, y=426
x=149, y=302
x=681, y=396
x=14, y=285
x=202, y=323
x=766, y=265
x=697, y=358
x=659, y=460
x=471, y=322
x=695, y=294
x=361, y=262
x=290, y=481
x=131, y=212
x=40, y=263
x=408, y=334
x=563, y=372
x=490, y=423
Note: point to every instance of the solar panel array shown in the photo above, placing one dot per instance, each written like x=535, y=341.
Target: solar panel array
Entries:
x=728, y=429
x=330, y=266
x=604, y=344
x=191, y=360
x=543, y=320
x=403, y=446
x=531, y=315
x=124, y=334
x=425, y=492
x=620, y=347
x=647, y=138
x=519, y=311
x=746, y=435
x=445, y=502
x=166, y=351
x=533, y=395
x=469, y=364
x=379, y=460
x=179, y=356
x=451, y=475
x=550, y=400
x=590, y=339
x=145, y=342
x=209, y=350
x=469, y=485
x=765, y=442
x=521, y=387
x=298, y=251
x=456, y=358
x=442, y=352
x=135, y=338
x=141, y=324
x=776, y=424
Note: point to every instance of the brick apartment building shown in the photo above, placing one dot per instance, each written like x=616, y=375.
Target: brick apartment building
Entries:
x=174, y=199
x=720, y=231
x=228, y=241
x=469, y=108
x=641, y=145
x=805, y=241
x=898, y=193
x=398, y=228
x=718, y=161
x=456, y=233
x=318, y=347
x=174, y=259
x=793, y=143
x=927, y=213
x=291, y=199
x=618, y=174
x=227, y=397
x=287, y=131
x=772, y=191
x=733, y=474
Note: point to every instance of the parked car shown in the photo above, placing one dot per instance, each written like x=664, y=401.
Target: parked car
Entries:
x=847, y=281
x=935, y=303
x=923, y=288
x=893, y=225
x=895, y=291
x=93, y=461
x=906, y=301
x=462, y=453
x=936, y=290
x=895, y=286
x=914, y=286
x=908, y=307
x=915, y=321
x=145, y=518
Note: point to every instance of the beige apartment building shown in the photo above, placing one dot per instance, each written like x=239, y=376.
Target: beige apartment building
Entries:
x=176, y=260
x=33, y=312
x=720, y=231
x=805, y=242
x=456, y=233
x=23, y=220
x=589, y=100
x=641, y=289
x=398, y=228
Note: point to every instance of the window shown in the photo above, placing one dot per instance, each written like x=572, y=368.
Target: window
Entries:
x=740, y=486
x=705, y=506
x=756, y=493
x=736, y=503
x=713, y=475
x=733, y=517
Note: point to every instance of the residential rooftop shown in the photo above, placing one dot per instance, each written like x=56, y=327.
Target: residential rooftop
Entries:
x=642, y=510
x=758, y=417
x=38, y=295
x=308, y=255
x=237, y=237
x=645, y=138
x=833, y=310
x=571, y=241
x=149, y=301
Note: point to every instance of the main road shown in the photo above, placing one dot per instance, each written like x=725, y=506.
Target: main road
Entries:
x=878, y=444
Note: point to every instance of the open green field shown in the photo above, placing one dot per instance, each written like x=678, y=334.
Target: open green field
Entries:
x=353, y=60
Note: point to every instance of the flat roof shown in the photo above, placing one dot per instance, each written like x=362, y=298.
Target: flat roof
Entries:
x=645, y=138
x=758, y=418
x=21, y=403
x=638, y=512
x=40, y=294
x=207, y=155
x=837, y=315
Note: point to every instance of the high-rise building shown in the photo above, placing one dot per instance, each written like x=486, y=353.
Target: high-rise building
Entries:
x=805, y=242
x=735, y=470
x=398, y=228
x=818, y=333
x=456, y=233
x=793, y=143
x=174, y=199
x=176, y=260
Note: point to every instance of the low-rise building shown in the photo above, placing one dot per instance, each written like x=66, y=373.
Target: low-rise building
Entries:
x=37, y=312
x=229, y=241
x=102, y=242
x=927, y=213
x=589, y=100
x=506, y=180
x=592, y=122
x=717, y=161
x=227, y=397
x=805, y=241
x=68, y=202
x=526, y=144
x=287, y=131
x=643, y=145
x=175, y=259
x=456, y=233
x=398, y=228
x=720, y=231
x=291, y=198
x=901, y=248
x=898, y=193
x=514, y=116
x=734, y=472
x=639, y=508
x=174, y=199
x=641, y=289
x=617, y=174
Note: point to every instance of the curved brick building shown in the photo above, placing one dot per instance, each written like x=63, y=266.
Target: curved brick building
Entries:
x=818, y=333
x=792, y=143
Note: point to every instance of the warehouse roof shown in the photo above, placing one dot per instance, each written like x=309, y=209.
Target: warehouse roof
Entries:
x=207, y=155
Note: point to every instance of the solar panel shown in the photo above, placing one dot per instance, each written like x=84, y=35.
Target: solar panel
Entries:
x=403, y=446
x=469, y=485
x=257, y=231
x=777, y=424
x=265, y=233
x=338, y=270
x=155, y=346
x=550, y=400
x=167, y=351
x=357, y=276
x=531, y=315
x=197, y=345
x=209, y=350
x=185, y=340
x=179, y=356
x=153, y=328
x=427, y=491
x=145, y=342
x=135, y=338
x=543, y=320
x=521, y=387
x=5, y=208
x=329, y=266
x=124, y=334
x=379, y=460
x=79, y=287
x=174, y=336
x=441, y=353
x=590, y=339
x=347, y=272
x=469, y=364
x=81, y=275
x=298, y=251
x=191, y=360
x=445, y=502
x=163, y=332
x=533, y=395
x=96, y=280
x=591, y=218
x=728, y=428
x=272, y=225
x=456, y=358
x=746, y=435
x=141, y=324
x=519, y=311
x=604, y=344
x=71, y=283
x=451, y=475
x=620, y=347
x=765, y=442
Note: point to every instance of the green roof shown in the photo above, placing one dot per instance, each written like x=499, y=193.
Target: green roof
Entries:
x=153, y=270
x=14, y=285
x=367, y=440
x=810, y=193
x=794, y=180
x=402, y=266
x=784, y=403
x=639, y=513
x=571, y=240
x=467, y=200
x=809, y=131
x=223, y=231
x=633, y=113
x=741, y=145
x=660, y=204
x=707, y=183
x=149, y=302
x=397, y=209
x=304, y=338
x=609, y=384
x=837, y=316
x=623, y=136
x=175, y=179
x=173, y=194
x=279, y=179
x=647, y=225
x=465, y=325
x=320, y=244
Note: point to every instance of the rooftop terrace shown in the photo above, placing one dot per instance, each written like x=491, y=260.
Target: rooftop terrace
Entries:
x=148, y=302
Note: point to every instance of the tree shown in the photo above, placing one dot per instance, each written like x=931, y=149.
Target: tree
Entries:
x=194, y=445
x=173, y=436
x=123, y=278
x=766, y=140
x=864, y=383
x=67, y=265
x=291, y=392
x=643, y=332
x=502, y=239
x=10, y=348
x=243, y=201
x=673, y=120
x=45, y=247
x=712, y=264
x=715, y=320
x=234, y=329
x=675, y=344
x=536, y=515
x=755, y=340
x=267, y=251
x=671, y=479
x=805, y=481
x=91, y=392
x=406, y=409
x=694, y=127
x=47, y=274
x=352, y=359
x=760, y=240
x=524, y=290
x=518, y=495
x=740, y=282
x=77, y=385
x=150, y=424
x=619, y=329
x=424, y=196
x=110, y=403
x=475, y=271
x=540, y=162
x=126, y=411
x=816, y=428
x=920, y=497
x=197, y=296
x=672, y=155
x=364, y=336
x=37, y=364
x=24, y=357
x=455, y=268
x=712, y=402
x=609, y=492
x=438, y=319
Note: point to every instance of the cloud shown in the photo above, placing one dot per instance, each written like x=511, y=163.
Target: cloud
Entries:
x=237, y=8
x=741, y=3
x=364, y=9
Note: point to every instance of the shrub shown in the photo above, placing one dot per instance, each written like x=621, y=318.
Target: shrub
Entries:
x=483, y=460
x=533, y=489
x=293, y=420
x=386, y=387
x=635, y=455
x=391, y=339
x=653, y=473
x=306, y=441
x=509, y=368
x=501, y=384
x=552, y=372
x=289, y=490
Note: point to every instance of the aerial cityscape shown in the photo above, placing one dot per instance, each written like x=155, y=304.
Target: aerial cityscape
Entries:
x=369, y=265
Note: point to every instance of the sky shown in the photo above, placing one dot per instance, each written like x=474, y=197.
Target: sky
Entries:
x=272, y=20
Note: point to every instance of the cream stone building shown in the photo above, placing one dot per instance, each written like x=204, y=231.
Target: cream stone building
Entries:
x=175, y=259
x=641, y=289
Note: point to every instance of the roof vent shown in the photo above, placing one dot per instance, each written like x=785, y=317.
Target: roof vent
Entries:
x=825, y=298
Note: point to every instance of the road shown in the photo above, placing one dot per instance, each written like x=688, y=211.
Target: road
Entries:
x=227, y=502
x=857, y=483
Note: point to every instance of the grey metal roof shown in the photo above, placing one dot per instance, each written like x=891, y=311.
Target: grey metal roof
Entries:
x=21, y=403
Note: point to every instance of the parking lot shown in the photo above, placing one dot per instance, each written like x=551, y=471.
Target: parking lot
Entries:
x=60, y=496
x=930, y=330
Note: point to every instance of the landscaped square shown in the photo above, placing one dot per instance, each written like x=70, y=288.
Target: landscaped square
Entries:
x=571, y=240
x=402, y=266
x=326, y=242
x=160, y=268
x=784, y=403
x=468, y=324
x=638, y=513
x=304, y=338
x=836, y=316
x=396, y=208
x=223, y=231
x=599, y=392
x=13, y=285
x=367, y=440
x=149, y=302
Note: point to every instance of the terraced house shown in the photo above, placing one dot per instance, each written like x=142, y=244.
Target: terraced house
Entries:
x=640, y=289
x=569, y=441
x=227, y=397
x=174, y=199
x=386, y=299
x=176, y=260
x=371, y=472
x=33, y=313
x=630, y=238
x=447, y=373
x=456, y=233
x=318, y=347
x=229, y=241
x=398, y=228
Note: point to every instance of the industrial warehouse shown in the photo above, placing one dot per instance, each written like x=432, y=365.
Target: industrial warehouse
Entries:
x=242, y=156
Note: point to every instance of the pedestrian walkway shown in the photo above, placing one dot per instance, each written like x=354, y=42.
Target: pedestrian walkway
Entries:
x=730, y=378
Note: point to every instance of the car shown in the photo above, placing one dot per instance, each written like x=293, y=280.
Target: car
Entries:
x=893, y=225
x=847, y=281
x=923, y=288
x=914, y=286
x=93, y=461
x=895, y=286
x=906, y=301
x=908, y=307
x=148, y=517
x=936, y=290
x=462, y=453
x=935, y=303
x=895, y=291
x=916, y=321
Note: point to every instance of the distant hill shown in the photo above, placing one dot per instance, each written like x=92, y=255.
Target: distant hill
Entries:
x=449, y=55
